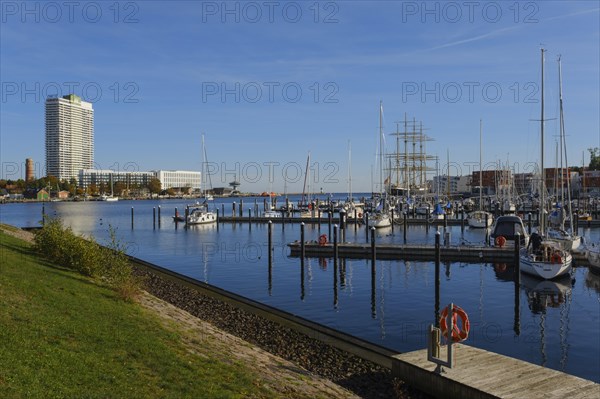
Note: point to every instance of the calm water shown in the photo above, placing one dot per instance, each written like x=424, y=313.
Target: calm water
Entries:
x=554, y=324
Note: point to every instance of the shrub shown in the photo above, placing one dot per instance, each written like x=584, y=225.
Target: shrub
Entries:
x=84, y=255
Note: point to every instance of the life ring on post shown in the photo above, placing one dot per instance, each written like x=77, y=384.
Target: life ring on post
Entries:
x=556, y=258
x=459, y=334
x=500, y=241
x=323, y=239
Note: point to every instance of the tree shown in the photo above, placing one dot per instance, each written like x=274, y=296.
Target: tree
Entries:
x=154, y=186
x=171, y=192
x=594, y=158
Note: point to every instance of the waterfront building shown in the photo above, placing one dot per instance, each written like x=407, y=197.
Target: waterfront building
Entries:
x=69, y=136
x=179, y=179
x=451, y=184
x=97, y=177
x=168, y=178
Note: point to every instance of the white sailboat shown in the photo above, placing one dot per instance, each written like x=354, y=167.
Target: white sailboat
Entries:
x=111, y=197
x=480, y=219
x=567, y=239
x=199, y=213
x=205, y=193
x=381, y=217
x=544, y=257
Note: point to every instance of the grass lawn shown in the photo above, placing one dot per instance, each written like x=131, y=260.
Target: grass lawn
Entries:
x=63, y=336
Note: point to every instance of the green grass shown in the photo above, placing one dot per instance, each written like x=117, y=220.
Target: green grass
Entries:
x=61, y=335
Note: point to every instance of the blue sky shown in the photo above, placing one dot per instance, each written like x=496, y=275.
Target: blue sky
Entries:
x=267, y=82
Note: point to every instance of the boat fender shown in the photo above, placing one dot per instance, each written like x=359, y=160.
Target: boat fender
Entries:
x=323, y=239
x=458, y=334
x=556, y=258
x=500, y=241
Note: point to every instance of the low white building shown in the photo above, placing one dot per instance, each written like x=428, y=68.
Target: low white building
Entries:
x=168, y=178
x=99, y=176
x=179, y=179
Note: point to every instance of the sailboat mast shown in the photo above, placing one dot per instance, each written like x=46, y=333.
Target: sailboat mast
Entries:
x=349, y=171
x=381, y=147
x=480, y=170
x=543, y=174
x=564, y=144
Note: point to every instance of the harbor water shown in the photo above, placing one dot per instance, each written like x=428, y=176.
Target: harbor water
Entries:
x=555, y=324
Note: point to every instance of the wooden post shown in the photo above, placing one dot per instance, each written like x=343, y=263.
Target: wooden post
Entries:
x=241, y=208
x=233, y=210
x=131, y=217
x=367, y=226
x=153, y=217
x=392, y=220
x=529, y=223
x=218, y=219
x=159, y=216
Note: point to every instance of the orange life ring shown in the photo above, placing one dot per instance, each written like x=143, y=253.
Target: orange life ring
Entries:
x=458, y=334
x=322, y=239
x=500, y=241
x=556, y=258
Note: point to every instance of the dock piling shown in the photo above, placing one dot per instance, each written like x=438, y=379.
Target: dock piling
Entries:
x=159, y=216
x=302, y=243
x=270, y=243
x=373, y=247
x=154, y=217
x=218, y=219
x=405, y=223
x=132, y=218
x=335, y=243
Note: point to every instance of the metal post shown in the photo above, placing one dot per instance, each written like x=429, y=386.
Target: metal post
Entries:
x=132, y=217
x=159, y=216
x=218, y=219
x=367, y=225
x=373, y=248
x=329, y=220
x=355, y=219
x=153, y=217
x=405, y=223
x=462, y=220
x=517, y=258
x=302, y=244
x=233, y=210
x=335, y=242
x=270, y=243
x=241, y=208
x=437, y=279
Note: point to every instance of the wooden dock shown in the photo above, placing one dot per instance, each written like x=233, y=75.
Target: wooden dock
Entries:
x=406, y=251
x=413, y=252
x=478, y=373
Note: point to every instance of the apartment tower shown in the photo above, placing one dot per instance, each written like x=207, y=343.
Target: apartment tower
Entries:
x=69, y=136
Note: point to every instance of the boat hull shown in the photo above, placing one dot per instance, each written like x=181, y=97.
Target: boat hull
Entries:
x=545, y=269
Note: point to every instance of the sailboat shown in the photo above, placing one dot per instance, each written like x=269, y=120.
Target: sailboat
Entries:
x=381, y=217
x=544, y=257
x=111, y=197
x=205, y=194
x=480, y=218
x=199, y=213
x=568, y=240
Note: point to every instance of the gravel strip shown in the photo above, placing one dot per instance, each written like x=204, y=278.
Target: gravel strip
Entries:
x=361, y=377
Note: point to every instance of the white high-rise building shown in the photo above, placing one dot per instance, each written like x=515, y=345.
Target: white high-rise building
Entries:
x=69, y=136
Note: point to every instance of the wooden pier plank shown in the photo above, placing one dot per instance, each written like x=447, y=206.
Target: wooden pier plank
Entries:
x=481, y=374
